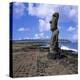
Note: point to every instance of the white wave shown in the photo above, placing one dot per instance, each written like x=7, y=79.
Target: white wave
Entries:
x=67, y=48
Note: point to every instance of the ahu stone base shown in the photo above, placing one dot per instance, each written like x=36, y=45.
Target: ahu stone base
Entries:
x=55, y=55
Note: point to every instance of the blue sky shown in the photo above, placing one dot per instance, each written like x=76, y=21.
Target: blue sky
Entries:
x=31, y=21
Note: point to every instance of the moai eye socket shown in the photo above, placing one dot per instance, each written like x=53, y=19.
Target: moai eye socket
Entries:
x=50, y=22
x=54, y=15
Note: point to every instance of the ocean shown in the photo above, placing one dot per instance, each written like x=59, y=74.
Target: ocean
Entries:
x=69, y=46
x=63, y=44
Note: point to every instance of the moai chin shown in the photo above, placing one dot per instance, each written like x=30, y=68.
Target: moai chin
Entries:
x=54, y=37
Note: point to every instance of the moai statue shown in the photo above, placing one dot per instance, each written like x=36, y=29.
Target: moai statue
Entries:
x=54, y=37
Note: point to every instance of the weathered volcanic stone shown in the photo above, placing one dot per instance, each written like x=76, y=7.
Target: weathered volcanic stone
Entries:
x=54, y=37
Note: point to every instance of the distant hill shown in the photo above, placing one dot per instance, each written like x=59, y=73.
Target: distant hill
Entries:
x=40, y=40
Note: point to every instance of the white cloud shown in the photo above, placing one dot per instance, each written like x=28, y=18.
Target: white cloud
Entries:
x=18, y=9
x=22, y=29
x=71, y=29
x=60, y=27
x=74, y=34
x=45, y=11
x=47, y=37
x=72, y=12
x=31, y=9
x=26, y=38
x=19, y=38
x=36, y=36
x=75, y=37
x=44, y=25
x=41, y=10
x=40, y=36
x=73, y=15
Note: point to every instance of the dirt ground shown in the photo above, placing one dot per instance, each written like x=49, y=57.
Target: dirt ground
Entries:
x=28, y=62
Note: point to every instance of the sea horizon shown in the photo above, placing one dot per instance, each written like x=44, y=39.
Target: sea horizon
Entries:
x=63, y=43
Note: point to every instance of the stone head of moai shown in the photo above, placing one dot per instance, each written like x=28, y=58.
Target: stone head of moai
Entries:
x=54, y=21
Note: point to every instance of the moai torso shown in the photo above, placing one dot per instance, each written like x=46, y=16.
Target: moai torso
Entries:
x=55, y=32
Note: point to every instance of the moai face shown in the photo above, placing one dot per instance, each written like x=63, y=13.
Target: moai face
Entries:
x=54, y=21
